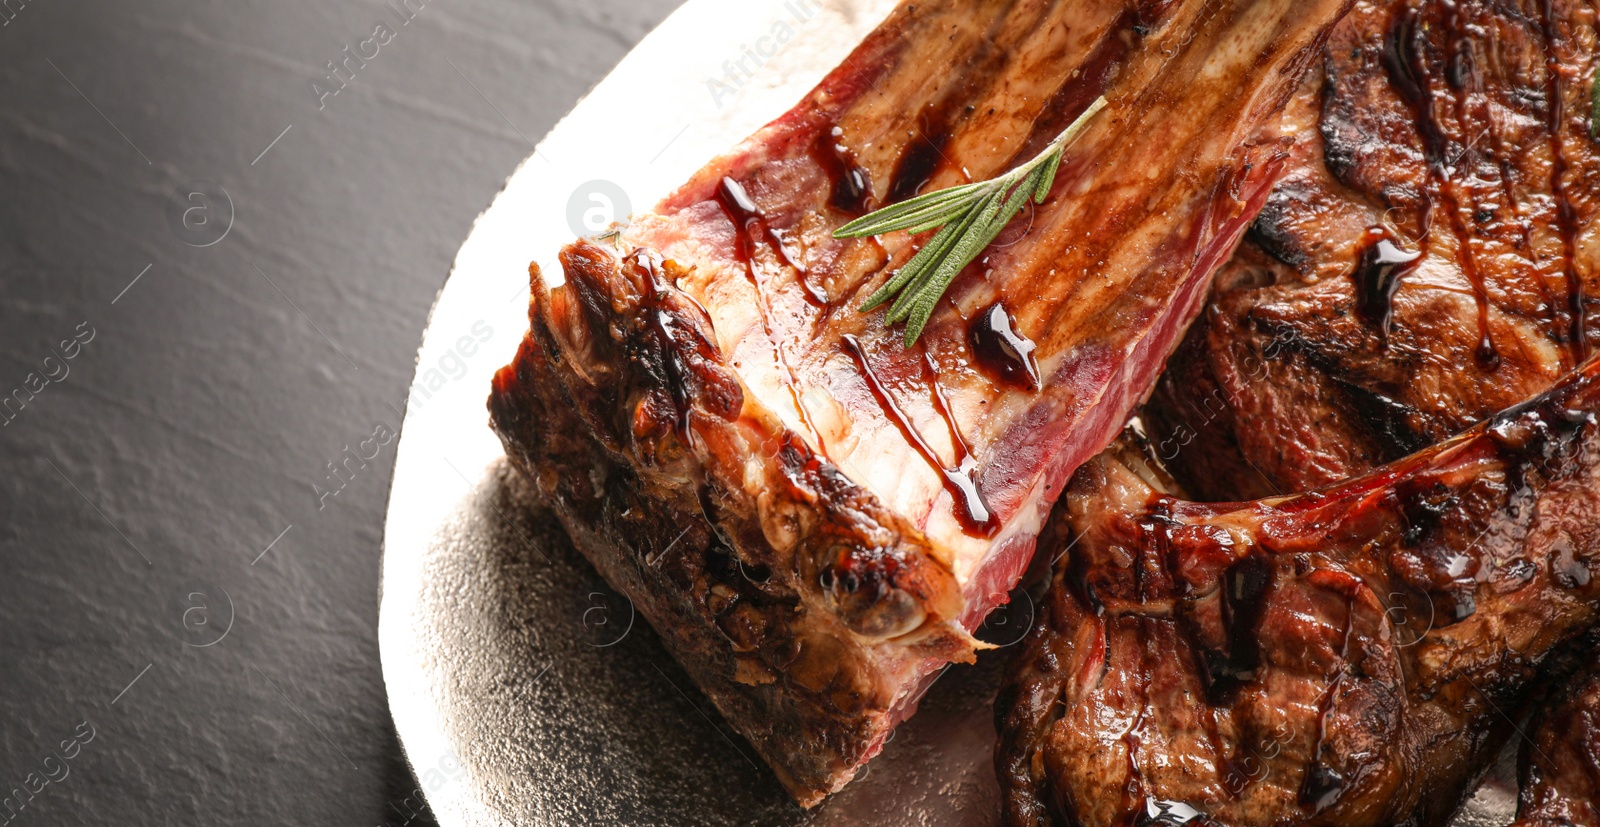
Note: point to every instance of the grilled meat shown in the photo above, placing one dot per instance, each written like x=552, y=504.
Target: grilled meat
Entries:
x=1561, y=757
x=1343, y=657
x=1427, y=261
x=1338, y=657
x=813, y=516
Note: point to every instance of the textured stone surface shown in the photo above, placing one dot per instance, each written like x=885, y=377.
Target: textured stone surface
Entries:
x=191, y=429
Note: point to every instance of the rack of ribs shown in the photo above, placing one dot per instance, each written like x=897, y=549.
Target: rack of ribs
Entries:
x=814, y=516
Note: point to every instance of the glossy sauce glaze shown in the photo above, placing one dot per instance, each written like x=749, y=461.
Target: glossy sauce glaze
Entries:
x=1380, y=266
x=1001, y=350
x=747, y=221
x=1411, y=75
x=974, y=515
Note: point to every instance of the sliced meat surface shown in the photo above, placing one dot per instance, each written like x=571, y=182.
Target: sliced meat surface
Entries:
x=1339, y=657
x=883, y=498
x=1429, y=259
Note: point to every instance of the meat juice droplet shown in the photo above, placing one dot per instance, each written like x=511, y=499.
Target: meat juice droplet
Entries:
x=1380, y=265
x=1002, y=350
x=971, y=511
x=851, y=192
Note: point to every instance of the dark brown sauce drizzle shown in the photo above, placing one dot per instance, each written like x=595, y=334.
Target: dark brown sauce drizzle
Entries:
x=1323, y=785
x=1078, y=571
x=1132, y=739
x=1566, y=217
x=975, y=517
x=1092, y=79
x=1158, y=813
x=1380, y=265
x=852, y=184
x=748, y=221
x=924, y=156
x=941, y=404
x=1001, y=349
x=1247, y=585
x=1409, y=74
x=920, y=160
x=742, y=211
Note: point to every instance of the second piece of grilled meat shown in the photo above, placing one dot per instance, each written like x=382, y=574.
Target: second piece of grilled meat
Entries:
x=1334, y=658
x=1429, y=259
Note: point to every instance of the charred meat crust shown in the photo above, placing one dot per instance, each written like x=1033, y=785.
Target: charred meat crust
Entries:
x=666, y=398
x=1330, y=658
x=780, y=615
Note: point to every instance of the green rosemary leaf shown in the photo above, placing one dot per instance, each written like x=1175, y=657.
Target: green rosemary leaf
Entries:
x=908, y=273
x=949, y=239
x=937, y=216
x=968, y=219
x=1047, y=178
x=889, y=219
x=972, y=245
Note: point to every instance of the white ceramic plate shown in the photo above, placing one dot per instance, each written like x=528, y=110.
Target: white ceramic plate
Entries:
x=523, y=690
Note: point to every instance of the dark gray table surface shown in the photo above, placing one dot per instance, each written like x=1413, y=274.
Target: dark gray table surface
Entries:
x=188, y=626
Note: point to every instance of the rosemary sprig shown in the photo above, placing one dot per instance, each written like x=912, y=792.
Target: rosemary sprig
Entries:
x=968, y=218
